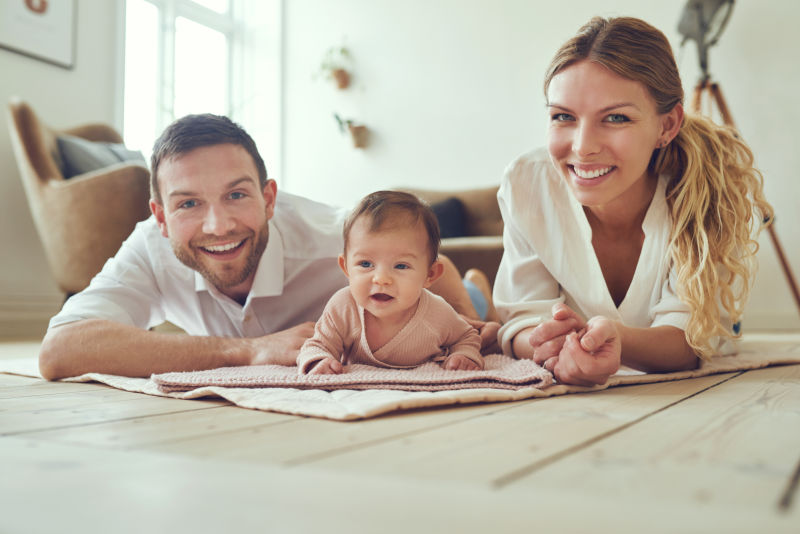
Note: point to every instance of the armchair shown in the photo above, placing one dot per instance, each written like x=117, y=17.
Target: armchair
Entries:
x=81, y=221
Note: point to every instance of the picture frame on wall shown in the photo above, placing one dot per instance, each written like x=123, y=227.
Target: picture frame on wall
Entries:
x=41, y=29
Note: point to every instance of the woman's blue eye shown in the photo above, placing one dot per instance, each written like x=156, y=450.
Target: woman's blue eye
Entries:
x=561, y=117
x=617, y=117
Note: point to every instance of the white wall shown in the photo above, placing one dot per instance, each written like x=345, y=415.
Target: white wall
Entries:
x=452, y=92
x=62, y=98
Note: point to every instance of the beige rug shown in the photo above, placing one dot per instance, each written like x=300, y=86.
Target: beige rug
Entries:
x=350, y=404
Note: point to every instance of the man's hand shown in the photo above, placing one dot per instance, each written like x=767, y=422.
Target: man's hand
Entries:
x=488, y=332
x=281, y=348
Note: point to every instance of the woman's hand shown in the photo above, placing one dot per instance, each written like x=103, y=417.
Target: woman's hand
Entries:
x=548, y=338
x=588, y=357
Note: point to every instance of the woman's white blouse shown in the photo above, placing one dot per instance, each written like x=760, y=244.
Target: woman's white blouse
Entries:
x=549, y=257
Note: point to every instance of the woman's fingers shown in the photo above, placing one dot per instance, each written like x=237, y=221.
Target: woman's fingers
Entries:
x=576, y=365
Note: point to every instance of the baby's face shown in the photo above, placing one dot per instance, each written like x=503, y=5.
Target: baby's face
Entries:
x=387, y=268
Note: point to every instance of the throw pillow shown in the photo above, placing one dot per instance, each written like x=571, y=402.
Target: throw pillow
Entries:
x=451, y=216
x=80, y=156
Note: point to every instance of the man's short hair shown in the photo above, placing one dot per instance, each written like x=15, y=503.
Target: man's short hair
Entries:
x=195, y=131
x=395, y=207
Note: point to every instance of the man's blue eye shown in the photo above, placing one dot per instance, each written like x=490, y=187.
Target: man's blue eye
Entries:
x=237, y=195
x=188, y=204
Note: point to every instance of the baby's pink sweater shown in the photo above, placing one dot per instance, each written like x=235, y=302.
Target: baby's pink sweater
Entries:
x=434, y=332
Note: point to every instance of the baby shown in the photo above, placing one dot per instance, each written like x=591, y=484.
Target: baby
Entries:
x=387, y=317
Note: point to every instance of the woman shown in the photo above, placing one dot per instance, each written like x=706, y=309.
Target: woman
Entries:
x=631, y=242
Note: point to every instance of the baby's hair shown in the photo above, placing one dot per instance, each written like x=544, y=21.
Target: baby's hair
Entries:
x=395, y=208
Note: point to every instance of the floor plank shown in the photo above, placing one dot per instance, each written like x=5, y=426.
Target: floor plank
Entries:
x=307, y=437
x=93, y=405
x=502, y=442
x=60, y=488
x=438, y=444
x=736, y=445
x=34, y=387
x=166, y=429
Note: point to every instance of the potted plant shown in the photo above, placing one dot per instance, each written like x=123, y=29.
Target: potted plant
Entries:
x=334, y=66
x=358, y=132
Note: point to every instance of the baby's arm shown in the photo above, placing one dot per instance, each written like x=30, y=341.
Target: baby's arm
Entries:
x=320, y=354
x=465, y=346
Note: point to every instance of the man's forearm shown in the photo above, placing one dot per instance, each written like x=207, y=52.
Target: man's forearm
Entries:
x=100, y=346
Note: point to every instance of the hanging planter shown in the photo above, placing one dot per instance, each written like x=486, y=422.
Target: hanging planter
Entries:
x=335, y=66
x=358, y=132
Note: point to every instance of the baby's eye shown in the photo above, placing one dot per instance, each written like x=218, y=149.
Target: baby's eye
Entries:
x=402, y=266
x=366, y=264
x=617, y=117
x=561, y=117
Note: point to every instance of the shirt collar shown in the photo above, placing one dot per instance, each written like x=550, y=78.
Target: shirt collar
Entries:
x=268, y=281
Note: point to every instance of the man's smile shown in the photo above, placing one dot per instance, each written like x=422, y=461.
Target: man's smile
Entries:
x=222, y=249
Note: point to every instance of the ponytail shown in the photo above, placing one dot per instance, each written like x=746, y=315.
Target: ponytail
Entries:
x=717, y=202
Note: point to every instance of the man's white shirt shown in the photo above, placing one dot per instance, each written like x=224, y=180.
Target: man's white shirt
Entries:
x=145, y=284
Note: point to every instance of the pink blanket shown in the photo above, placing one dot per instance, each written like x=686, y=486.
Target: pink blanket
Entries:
x=501, y=372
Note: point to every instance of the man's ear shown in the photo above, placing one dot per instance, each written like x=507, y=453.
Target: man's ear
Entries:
x=343, y=265
x=270, y=193
x=671, y=123
x=157, y=209
x=435, y=272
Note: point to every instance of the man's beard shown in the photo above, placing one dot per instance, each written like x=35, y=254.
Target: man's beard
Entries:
x=224, y=277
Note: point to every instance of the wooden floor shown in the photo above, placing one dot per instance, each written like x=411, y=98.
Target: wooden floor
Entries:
x=713, y=454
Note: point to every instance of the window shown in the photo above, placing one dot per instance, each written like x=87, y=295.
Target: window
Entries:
x=199, y=56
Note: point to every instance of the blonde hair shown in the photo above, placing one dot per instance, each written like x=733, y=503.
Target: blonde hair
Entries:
x=715, y=195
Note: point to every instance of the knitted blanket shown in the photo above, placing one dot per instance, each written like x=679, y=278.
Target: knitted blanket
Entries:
x=500, y=372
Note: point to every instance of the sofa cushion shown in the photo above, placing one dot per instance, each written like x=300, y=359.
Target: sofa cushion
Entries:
x=451, y=216
x=79, y=156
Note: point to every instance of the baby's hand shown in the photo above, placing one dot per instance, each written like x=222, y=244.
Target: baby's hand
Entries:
x=327, y=366
x=459, y=362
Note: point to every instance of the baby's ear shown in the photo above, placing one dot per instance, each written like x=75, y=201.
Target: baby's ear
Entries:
x=343, y=265
x=435, y=271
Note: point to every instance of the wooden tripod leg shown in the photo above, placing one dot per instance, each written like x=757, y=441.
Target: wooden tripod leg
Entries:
x=787, y=270
x=697, y=96
x=716, y=93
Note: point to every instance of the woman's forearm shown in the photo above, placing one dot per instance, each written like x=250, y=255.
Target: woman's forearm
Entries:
x=659, y=349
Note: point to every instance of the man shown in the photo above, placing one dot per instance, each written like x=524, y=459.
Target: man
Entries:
x=242, y=269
